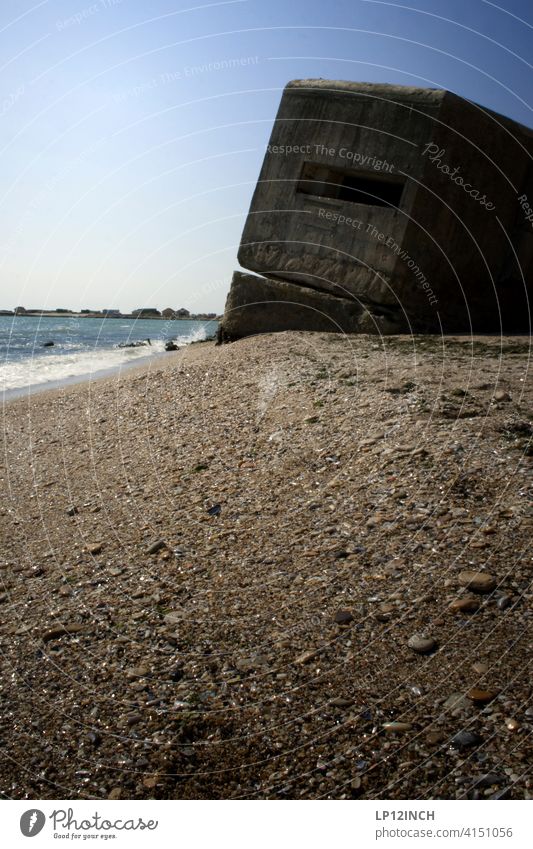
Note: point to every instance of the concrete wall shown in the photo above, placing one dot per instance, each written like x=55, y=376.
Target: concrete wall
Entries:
x=355, y=127
x=461, y=240
x=441, y=259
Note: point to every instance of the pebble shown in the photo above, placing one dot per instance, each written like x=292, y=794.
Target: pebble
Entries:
x=94, y=738
x=151, y=781
x=60, y=630
x=480, y=696
x=72, y=511
x=480, y=668
x=173, y=617
x=421, y=644
x=156, y=546
x=465, y=605
x=396, y=727
x=306, y=656
x=343, y=617
x=478, y=582
x=137, y=672
x=512, y=724
x=489, y=780
x=456, y=702
x=115, y=793
x=433, y=738
x=95, y=548
x=503, y=602
x=341, y=703
x=464, y=740
x=501, y=395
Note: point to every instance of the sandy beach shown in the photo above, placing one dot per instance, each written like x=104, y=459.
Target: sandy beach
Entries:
x=296, y=566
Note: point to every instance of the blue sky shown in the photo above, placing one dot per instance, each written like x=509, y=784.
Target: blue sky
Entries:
x=133, y=132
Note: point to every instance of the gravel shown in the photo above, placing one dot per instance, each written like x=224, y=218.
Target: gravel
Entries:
x=259, y=529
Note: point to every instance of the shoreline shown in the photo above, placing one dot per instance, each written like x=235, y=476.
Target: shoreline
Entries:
x=8, y=395
x=33, y=389
x=121, y=316
x=239, y=572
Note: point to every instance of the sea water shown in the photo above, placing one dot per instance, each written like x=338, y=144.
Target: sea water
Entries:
x=83, y=347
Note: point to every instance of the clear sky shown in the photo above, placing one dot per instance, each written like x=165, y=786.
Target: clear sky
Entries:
x=133, y=132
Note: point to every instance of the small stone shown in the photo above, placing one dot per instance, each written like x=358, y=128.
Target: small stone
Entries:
x=478, y=582
x=456, y=703
x=341, y=703
x=512, y=724
x=215, y=510
x=94, y=738
x=95, y=548
x=396, y=727
x=433, y=738
x=133, y=672
x=61, y=630
x=489, y=780
x=480, y=668
x=115, y=793
x=306, y=656
x=151, y=781
x=501, y=395
x=503, y=602
x=173, y=617
x=480, y=696
x=421, y=644
x=72, y=511
x=464, y=605
x=156, y=546
x=464, y=740
x=343, y=617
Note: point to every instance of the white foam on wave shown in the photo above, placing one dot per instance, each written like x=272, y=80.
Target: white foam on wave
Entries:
x=51, y=368
x=57, y=366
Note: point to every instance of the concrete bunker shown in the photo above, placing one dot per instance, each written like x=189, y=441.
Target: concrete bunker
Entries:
x=386, y=209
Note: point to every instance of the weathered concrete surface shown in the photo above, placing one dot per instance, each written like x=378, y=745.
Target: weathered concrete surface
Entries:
x=262, y=305
x=440, y=257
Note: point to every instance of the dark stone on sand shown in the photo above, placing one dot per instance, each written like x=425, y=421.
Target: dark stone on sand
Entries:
x=343, y=617
x=464, y=740
x=171, y=346
x=61, y=630
x=156, y=546
x=48, y=344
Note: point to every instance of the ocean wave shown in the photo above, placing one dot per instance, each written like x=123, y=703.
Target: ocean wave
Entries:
x=51, y=368
x=57, y=364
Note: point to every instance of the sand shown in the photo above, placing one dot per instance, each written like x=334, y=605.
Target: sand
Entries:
x=228, y=574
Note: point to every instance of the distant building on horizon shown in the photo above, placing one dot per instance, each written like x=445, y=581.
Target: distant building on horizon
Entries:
x=145, y=312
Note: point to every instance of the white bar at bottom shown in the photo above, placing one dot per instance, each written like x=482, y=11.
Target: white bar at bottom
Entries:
x=268, y=825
